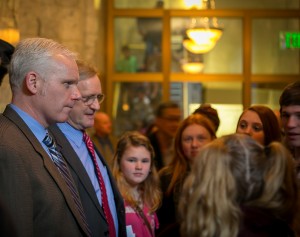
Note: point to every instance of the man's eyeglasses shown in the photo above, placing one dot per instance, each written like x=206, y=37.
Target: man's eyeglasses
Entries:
x=89, y=100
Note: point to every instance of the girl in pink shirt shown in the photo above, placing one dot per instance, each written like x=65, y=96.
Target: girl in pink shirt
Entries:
x=138, y=182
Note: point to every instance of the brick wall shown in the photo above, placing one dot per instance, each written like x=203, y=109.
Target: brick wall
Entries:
x=75, y=23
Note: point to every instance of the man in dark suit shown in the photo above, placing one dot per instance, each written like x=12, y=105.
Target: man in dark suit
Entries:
x=43, y=76
x=70, y=137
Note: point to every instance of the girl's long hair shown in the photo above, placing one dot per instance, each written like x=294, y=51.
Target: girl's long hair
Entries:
x=150, y=188
x=179, y=165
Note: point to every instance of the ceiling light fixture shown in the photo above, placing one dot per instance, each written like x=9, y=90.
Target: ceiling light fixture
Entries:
x=204, y=32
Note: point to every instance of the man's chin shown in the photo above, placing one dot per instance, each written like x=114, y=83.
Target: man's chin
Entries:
x=63, y=117
x=88, y=125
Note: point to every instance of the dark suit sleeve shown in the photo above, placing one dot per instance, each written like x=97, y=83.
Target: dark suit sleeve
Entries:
x=7, y=227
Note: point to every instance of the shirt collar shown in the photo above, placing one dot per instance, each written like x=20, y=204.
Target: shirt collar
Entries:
x=73, y=134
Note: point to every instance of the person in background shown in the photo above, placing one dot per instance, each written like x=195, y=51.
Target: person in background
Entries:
x=289, y=112
x=141, y=111
x=161, y=136
x=260, y=122
x=138, y=181
x=128, y=62
x=102, y=137
x=100, y=197
x=239, y=188
x=193, y=133
x=210, y=113
x=43, y=76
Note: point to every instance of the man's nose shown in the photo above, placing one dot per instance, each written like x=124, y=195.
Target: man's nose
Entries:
x=292, y=121
x=76, y=95
x=95, y=105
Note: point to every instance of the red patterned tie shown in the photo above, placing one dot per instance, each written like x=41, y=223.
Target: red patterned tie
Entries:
x=105, y=206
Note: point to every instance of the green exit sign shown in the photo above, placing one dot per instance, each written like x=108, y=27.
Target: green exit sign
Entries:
x=290, y=40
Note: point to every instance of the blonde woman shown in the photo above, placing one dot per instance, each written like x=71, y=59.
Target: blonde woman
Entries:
x=238, y=187
x=138, y=182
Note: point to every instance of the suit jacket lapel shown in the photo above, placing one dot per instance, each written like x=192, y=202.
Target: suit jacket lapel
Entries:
x=48, y=163
x=75, y=164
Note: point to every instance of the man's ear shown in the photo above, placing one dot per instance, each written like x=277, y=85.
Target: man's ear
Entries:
x=31, y=82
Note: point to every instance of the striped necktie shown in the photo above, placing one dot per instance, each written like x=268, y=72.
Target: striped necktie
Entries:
x=105, y=205
x=65, y=173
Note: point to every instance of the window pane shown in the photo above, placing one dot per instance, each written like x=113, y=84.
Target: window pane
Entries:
x=138, y=44
x=220, y=4
x=267, y=94
x=260, y=4
x=138, y=4
x=269, y=54
x=134, y=105
x=225, y=57
x=226, y=98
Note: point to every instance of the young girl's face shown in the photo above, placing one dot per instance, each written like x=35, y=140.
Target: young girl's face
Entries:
x=251, y=124
x=135, y=164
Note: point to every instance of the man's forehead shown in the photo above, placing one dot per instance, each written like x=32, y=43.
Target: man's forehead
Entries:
x=172, y=111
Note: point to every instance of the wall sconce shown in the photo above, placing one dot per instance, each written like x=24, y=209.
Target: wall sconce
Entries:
x=203, y=32
x=9, y=31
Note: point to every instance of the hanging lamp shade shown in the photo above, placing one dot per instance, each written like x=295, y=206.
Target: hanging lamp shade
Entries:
x=203, y=32
x=202, y=40
x=193, y=47
x=204, y=35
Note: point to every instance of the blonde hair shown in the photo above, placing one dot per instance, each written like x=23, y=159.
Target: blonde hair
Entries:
x=231, y=171
x=150, y=188
x=280, y=192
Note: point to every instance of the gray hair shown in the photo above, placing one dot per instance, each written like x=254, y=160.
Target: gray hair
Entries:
x=86, y=70
x=35, y=54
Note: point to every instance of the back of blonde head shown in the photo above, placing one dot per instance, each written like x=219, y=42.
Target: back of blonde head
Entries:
x=230, y=171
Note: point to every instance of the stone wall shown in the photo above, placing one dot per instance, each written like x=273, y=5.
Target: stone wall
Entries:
x=74, y=23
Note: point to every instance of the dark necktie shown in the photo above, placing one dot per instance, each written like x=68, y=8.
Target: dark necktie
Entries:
x=105, y=205
x=64, y=171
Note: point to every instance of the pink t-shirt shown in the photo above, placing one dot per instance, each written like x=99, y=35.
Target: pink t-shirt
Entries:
x=136, y=224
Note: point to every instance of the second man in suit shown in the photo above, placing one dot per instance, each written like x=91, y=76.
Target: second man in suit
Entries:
x=71, y=137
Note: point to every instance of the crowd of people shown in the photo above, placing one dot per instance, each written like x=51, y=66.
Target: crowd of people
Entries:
x=176, y=179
